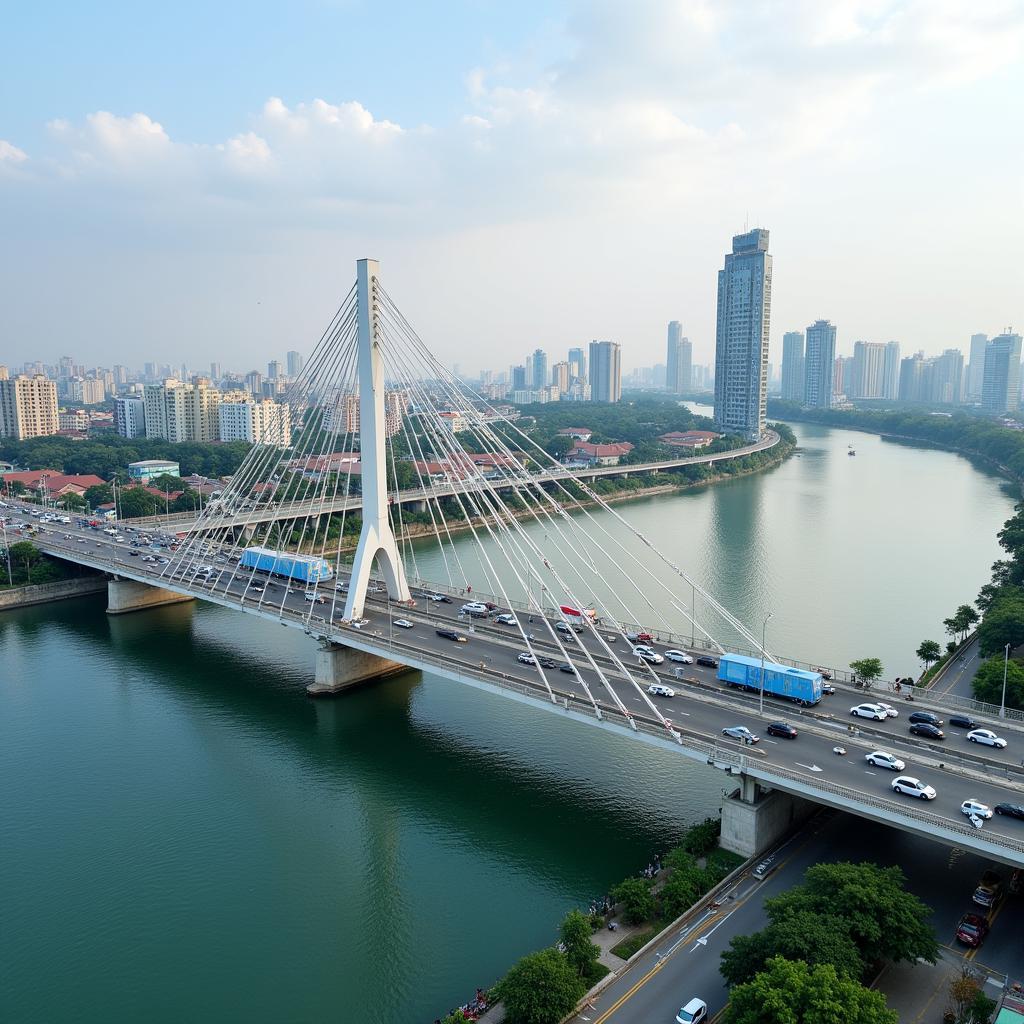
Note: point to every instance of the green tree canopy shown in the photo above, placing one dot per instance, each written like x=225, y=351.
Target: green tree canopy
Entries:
x=928, y=652
x=1004, y=622
x=988, y=682
x=24, y=554
x=580, y=951
x=99, y=494
x=540, y=989
x=868, y=669
x=635, y=896
x=134, y=501
x=790, y=992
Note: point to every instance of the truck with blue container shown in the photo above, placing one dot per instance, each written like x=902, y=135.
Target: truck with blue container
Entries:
x=795, y=684
x=307, y=568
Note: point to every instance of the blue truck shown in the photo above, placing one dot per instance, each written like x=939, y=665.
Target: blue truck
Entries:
x=795, y=684
x=308, y=568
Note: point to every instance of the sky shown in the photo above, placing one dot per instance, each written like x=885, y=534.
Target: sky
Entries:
x=194, y=181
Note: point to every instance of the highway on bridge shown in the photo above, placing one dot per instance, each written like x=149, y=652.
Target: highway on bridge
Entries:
x=700, y=710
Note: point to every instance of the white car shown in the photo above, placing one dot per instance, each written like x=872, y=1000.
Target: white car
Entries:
x=681, y=656
x=741, y=733
x=506, y=619
x=976, y=808
x=339, y=587
x=694, y=1012
x=403, y=623
x=646, y=654
x=319, y=598
x=889, y=709
x=874, y=711
x=527, y=658
x=474, y=607
x=880, y=759
x=659, y=690
x=987, y=737
x=913, y=787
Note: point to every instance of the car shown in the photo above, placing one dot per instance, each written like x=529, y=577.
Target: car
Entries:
x=963, y=721
x=471, y=607
x=971, y=930
x=134, y=553
x=881, y=759
x=783, y=729
x=873, y=711
x=256, y=588
x=506, y=619
x=526, y=658
x=439, y=598
x=403, y=624
x=990, y=885
x=567, y=667
x=547, y=663
x=319, y=598
x=646, y=654
x=741, y=733
x=639, y=636
x=976, y=808
x=931, y=732
x=827, y=689
x=681, y=656
x=660, y=690
x=913, y=787
x=694, y=1012
x=340, y=587
x=926, y=717
x=986, y=737
x=451, y=634
x=567, y=629
x=1010, y=810
x=706, y=660
x=888, y=709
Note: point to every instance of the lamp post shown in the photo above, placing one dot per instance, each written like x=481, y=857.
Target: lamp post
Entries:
x=764, y=630
x=1006, y=665
x=7, y=552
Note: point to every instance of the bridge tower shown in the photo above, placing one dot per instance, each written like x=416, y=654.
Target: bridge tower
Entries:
x=377, y=539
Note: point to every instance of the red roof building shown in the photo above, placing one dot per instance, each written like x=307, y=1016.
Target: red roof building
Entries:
x=692, y=439
x=53, y=482
x=586, y=454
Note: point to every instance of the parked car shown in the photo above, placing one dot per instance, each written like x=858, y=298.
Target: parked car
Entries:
x=881, y=759
x=872, y=711
x=783, y=729
x=403, y=624
x=451, y=634
x=989, y=887
x=660, y=690
x=474, y=608
x=971, y=930
x=986, y=737
x=824, y=673
x=913, y=787
x=931, y=732
x=706, y=660
x=1010, y=810
x=963, y=722
x=439, y=598
x=681, y=656
x=926, y=717
x=976, y=808
x=694, y=1012
x=741, y=733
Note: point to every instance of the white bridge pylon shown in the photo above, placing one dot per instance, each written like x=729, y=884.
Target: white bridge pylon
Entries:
x=376, y=539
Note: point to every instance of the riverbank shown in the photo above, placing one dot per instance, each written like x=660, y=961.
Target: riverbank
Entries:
x=58, y=590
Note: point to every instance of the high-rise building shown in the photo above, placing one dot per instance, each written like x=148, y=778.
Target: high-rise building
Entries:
x=912, y=386
x=741, y=336
x=274, y=369
x=28, y=407
x=518, y=378
x=679, y=360
x=130, y=417
x=868, y=370
x=215, y=374
x=149, y=372
x=577, y=363
x=254, y=382
x=820, y=365
x=539, y=366
x=86, y=390
x=120, y=375
x=5, y=374
x=254, y=420
x=182, y=412
x=793, y=366
x=295, y=363
x=976, y=368
x=560, y=376
x=1000, y=390
x=891, y=371
x=605, y=371
x=946, y=377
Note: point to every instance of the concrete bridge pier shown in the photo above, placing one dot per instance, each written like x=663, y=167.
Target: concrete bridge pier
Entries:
x=753, y=817
x=338, y=668
x=419, y=505
x=130, y=596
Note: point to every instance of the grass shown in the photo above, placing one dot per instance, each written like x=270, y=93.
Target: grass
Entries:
x=724, y=860
x=627, y=947
x=596, y=973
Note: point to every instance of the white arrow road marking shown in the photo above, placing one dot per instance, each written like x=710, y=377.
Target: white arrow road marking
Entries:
x=703, y=940
x=809, y=767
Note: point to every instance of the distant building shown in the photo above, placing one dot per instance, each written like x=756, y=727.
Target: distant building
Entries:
x=793, y=366
x=254, y=382
x=518, y=378
x=585, y=454
x=560, y=377
x=579, y=433
x=741, y=336
x=28, y=407
x=130, y=417
x=177, y=411
x=946, y=373
x=693, y=439
x=912, y=387
x=149, y=469
x=52, y=484
x=539, y=368
x=1000, y=391
x=976, y=368
x=605, y=371
x=295, y=363
x=87, y=390
x=679, y=360
x=819, y=365
x=577, y=363
x=215, y=374
x=891, y=371
x=456, y=422
x=73, y=420
x=255, y=421
x=868, y=371
x=274, y=369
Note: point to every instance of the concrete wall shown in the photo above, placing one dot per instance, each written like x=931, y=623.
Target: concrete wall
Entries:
x=338, y=668
x=58, y=590
x=129, y=596
x=749, y=828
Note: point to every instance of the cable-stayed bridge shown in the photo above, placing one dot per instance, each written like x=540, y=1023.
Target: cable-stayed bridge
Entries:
x=566, y=570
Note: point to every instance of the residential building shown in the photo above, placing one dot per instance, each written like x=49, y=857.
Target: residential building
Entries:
x=868, y=372
x=605, y=371
x=577, y=433
x=891, y=371
x=912, y=386
x=130, y=417
x=73, y=419
x=295, y=362
x=539, y=367
x=945, y=386
x=679, y=360
x=456, y=422
x=741, y=336
x=793, y=366
x=577, y=364
x=28, y=407
x=579, y=390
x=518, y=378
x=215, y=374
x=560, y=377
x=691, y=439
x=182, y=412
x=976, y=367
x=254, y=382
x=87, y=390
x=142, y=473
x=252, y=420
x=274, y=369
x=1000, y=390
x=820, y=365
x=584, y=453
x=52, y=484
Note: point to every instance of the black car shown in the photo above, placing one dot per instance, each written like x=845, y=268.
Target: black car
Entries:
x=451, y=634
x=707, y=661
x=1010, y=810
x=962, y=721
x=783, y=729
x=932, y=732
x=566, y=667
x=547, y=662
x=926, y=717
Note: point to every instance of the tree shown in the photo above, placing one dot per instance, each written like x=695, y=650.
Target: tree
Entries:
x=72, y=500
x=869, y=669
x=804, y=935
x=960, y=623
x=99, y=494
x=136, y=502
x=790, y=992
x=1003, y=623
x=988, y=682
x=928, y=652
x=540, y=989
x=25, y=554
x=635, y=896
x=579, y=950
x=968, y=1003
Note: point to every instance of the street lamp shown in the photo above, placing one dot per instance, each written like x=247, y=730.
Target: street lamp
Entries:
x=764, y=630
x=1006, y=665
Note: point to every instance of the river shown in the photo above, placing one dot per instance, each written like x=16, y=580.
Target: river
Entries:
x=184, y=835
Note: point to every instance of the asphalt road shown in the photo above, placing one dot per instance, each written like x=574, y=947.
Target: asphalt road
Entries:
x=685, y=962
x=958, y=770
x=960, y=672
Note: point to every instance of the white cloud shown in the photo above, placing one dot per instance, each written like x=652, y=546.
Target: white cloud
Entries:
x=9, y=153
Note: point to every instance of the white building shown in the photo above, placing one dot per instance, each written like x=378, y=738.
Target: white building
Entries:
x=182, y=412
x=87, y=390
x=28, y=407
x=130, y=417
x=255, y=421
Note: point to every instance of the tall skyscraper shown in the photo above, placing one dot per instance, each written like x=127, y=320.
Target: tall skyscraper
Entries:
x=28, y=407
x=560, y=377
x=945, y=386
x=819, y=365
x=215, y=374
x=868, y=370
x=678, y=361
x=913, y=387
x=295, y=363
x=793, y=366
x=577, y=363
x=605, y=371
x=891, y=371
x=182, y=412
x=976, y=368
x=741, y=337
x=518, y=378
x=539, y=364
x=274, y=369
x=1000, y=389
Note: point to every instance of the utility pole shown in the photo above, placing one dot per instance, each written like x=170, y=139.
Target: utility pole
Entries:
x=1006, y=665
x=764, y=630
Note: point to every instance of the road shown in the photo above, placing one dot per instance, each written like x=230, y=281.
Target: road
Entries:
x=684, y=963
x=701, y=710
x=960, y=672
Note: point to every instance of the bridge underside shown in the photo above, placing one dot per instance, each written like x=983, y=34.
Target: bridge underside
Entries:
x=124, y=595
x=339, y=668
x=753, y=819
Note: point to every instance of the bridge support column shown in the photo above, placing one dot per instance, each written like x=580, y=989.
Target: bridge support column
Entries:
x=416, y=506
x=339, y=667
x=753, y=819
x=131, y=596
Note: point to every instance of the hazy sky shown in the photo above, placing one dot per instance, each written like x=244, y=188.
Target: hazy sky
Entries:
x=195, y=181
